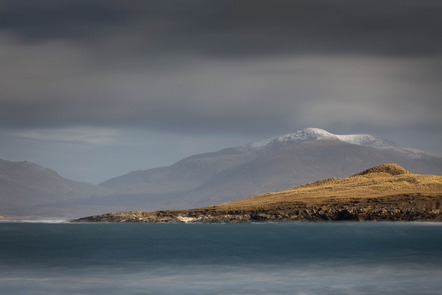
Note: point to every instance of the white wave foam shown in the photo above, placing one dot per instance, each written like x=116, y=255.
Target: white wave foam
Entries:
x=32, y=220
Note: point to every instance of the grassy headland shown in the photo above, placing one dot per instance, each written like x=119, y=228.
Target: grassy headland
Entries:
x=384, y=192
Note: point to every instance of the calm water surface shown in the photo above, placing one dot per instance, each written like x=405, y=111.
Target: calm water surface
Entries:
x=297, y=258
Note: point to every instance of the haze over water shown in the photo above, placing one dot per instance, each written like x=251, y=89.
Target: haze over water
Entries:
x=297, y=258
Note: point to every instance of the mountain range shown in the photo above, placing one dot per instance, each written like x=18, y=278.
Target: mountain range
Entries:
x=234, y=173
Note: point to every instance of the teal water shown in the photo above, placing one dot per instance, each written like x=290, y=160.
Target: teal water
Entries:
x=298, y=258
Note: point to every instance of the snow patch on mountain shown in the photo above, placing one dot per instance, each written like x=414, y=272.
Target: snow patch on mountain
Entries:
x=312, y=134
x=307, y=134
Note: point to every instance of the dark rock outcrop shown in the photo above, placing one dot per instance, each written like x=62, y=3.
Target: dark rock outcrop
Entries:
x=408, y=207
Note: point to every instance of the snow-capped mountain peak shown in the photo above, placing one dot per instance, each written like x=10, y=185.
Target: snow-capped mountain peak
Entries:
x=306, y=134
x=313, y=134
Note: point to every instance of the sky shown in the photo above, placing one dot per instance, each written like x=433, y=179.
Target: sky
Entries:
x=97, y=88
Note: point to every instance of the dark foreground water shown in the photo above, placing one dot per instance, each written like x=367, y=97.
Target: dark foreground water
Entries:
x=299, y=258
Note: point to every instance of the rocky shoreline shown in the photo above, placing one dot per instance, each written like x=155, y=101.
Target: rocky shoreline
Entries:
x=405, y=207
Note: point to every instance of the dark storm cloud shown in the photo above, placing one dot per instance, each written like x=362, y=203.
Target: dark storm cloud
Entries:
x=237, y=27
x=235, y=65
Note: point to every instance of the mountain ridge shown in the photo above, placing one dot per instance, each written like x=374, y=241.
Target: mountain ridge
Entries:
x=300, y=136
x=32, y=185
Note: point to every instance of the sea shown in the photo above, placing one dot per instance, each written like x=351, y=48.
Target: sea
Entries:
x=272, y=258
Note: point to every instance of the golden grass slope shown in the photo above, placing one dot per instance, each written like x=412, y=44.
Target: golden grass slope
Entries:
x=386, y=192
x=379, y=181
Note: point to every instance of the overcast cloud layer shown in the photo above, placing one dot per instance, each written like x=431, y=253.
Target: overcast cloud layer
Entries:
x=125, y=85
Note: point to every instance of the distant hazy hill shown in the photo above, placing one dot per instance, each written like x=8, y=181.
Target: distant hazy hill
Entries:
x=273, y=164
x=384, y=192
x=27, y=188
